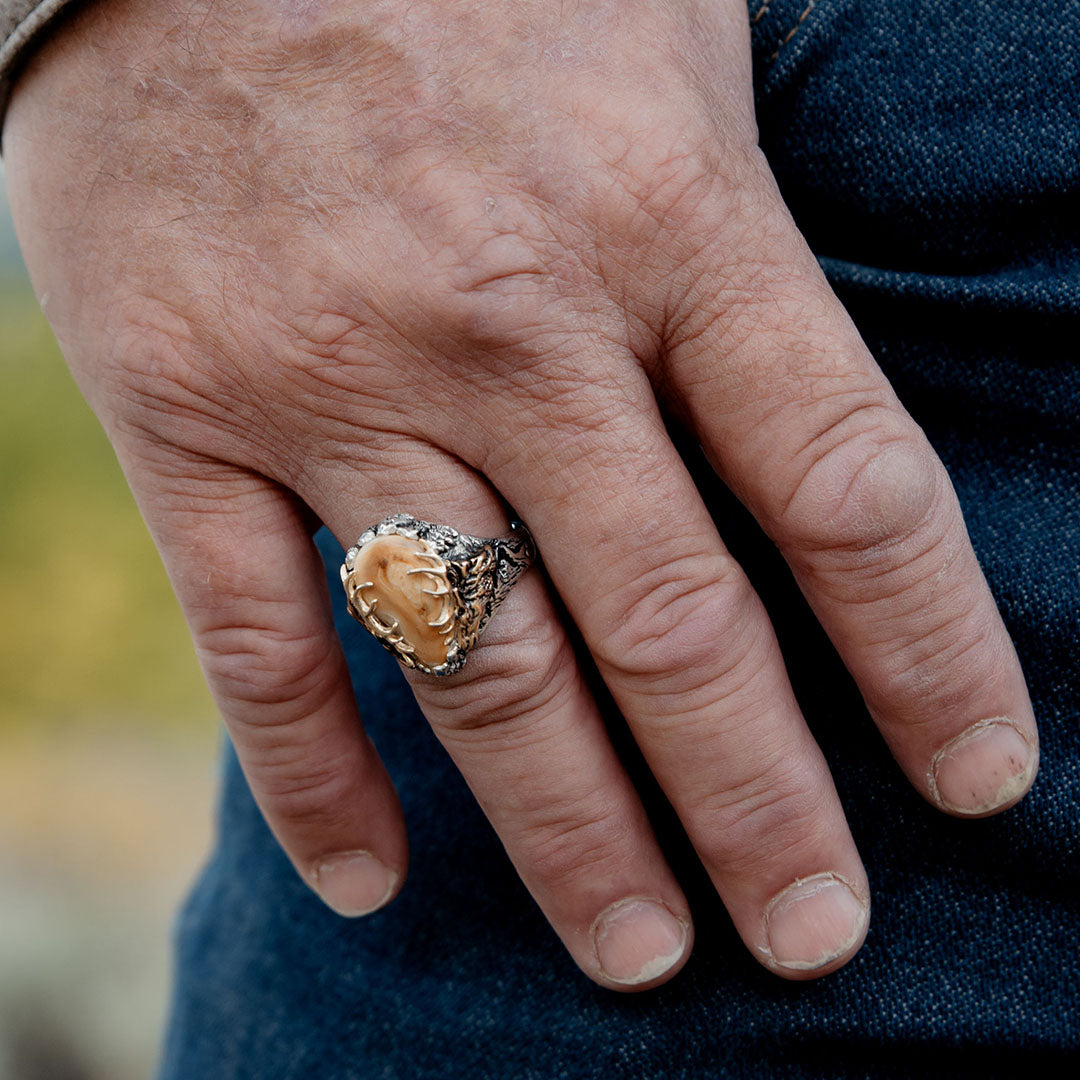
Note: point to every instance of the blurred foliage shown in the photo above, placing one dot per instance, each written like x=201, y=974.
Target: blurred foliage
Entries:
x=107, y=733
x=91, y=633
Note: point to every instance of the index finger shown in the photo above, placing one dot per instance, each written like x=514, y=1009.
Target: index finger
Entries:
x=801, y=422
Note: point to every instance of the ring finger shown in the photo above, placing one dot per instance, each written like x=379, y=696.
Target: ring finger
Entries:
x=523, y=728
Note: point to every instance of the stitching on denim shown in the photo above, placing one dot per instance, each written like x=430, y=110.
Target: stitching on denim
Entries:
x=761, y=11
x=793, y=31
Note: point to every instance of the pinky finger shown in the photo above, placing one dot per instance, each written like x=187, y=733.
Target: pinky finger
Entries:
x=254, y=594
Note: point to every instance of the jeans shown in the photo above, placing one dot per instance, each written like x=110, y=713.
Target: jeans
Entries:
x=930, y=152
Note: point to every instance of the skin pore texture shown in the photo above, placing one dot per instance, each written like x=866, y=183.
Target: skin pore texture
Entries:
x=335, y=260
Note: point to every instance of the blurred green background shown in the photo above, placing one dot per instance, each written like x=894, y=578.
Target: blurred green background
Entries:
x=107, y=733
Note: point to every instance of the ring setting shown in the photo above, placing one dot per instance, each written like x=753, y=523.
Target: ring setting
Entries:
x=425, y=591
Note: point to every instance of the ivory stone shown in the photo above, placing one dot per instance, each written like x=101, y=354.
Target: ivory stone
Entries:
x=405, y=598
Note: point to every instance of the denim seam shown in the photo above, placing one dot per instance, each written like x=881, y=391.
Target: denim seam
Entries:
x=793, y=31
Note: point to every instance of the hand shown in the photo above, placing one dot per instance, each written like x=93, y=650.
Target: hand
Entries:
x=370, y=258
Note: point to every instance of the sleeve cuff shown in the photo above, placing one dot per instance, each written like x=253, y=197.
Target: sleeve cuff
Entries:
x=21, y=23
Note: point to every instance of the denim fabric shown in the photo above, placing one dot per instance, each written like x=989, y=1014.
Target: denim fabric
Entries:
x=930, y=151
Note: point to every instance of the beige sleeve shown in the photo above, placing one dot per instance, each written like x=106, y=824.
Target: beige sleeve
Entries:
x=21, y=21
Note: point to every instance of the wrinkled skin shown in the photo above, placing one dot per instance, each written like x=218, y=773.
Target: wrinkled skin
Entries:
x=337, y=260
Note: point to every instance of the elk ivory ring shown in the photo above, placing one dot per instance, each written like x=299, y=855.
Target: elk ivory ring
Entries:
x=426, y=591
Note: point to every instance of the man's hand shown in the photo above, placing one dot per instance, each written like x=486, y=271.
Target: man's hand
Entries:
x=375, y=257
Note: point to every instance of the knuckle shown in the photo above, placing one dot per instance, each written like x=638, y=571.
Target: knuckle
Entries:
x=661, y=161
x=577, y=841
x=151, y=369
x=744, y=829
x=303, y=789
x=943, y=661
x=497, y=315
x=488, y=277
x=676, y=621
x=264, y=666
x=509, y=682
x=150, y=337
x=167, y=383
x=867, y=481
x=667, y=179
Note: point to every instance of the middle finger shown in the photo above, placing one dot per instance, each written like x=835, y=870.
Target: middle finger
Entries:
x=686, y=648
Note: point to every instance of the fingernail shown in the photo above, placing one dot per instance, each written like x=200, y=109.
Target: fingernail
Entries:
x=354, y=883
x=813, y=921
x=987, y=766
x=637, y=940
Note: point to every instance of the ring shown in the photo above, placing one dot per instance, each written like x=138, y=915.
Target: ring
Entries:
x=426, y=591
